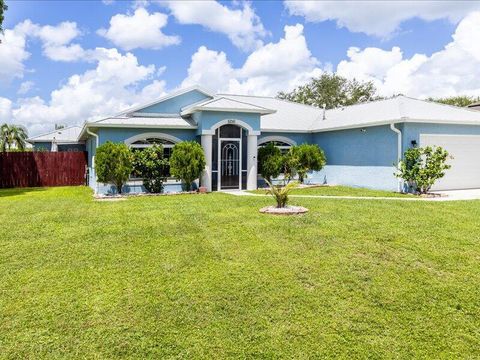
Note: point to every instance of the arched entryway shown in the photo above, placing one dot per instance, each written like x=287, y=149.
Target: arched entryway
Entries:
x=230, y=148
x=229, y=158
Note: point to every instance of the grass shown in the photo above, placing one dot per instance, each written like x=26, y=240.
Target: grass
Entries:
x=340, y=191
x=207, y=276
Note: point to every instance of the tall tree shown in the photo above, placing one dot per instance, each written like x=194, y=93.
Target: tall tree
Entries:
x=462, y=100
x=12, y=136
x=332, y=90
x=3, y=8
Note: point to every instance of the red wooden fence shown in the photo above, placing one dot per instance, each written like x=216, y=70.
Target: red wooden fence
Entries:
x=30, y=169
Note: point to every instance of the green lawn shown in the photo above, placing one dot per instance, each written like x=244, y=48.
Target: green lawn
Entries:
x=208, y=276
x=340, y=191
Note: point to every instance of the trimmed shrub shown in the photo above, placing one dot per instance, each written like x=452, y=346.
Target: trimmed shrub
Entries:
x=113, y=164
x=307, y=157
x=422, y=167
x=150, y=165
x=187, y=162
x=269, y=161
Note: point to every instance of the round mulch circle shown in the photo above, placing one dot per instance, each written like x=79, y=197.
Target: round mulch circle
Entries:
x=288, y=210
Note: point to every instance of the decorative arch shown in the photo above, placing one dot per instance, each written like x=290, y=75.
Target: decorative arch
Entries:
x=237, y=122
x=277, y=138
x=158, y=135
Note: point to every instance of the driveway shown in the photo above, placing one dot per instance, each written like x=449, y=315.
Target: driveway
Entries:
x=450, y=195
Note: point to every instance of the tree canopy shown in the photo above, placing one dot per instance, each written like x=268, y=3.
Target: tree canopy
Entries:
x=3, y=8
x=332, y=90
x=461, y=100
x=113, y=164
x=187, y=162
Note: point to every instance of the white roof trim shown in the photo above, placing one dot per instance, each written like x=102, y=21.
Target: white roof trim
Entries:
x=277, y=138
x=159, y=115
x=203, y=106
x=147, y=135
x=100, y=125
x=166, y=97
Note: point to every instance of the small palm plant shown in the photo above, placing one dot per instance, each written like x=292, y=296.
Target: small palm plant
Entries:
x=12, y=136
x=280, y=193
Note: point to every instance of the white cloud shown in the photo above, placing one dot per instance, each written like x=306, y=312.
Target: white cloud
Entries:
x=113, y=85
x=210, y=69
x=271, y=68
x=242, y=26
x=25, y=87
x=451, y=71
x=140, y=30
x=13, y=53
x=379, y=18
x=5, y=110
x=56, y=40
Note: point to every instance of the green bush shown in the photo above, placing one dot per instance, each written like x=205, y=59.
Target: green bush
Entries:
x=422, y=167
x=307, y=157
x=113, y=164
x=269, y=161
x=280, y=193
x=187, y=162
x=150, y=165
x=290, y=164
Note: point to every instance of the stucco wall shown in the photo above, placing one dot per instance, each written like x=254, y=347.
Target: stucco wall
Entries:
x=412, y=131
x=297, y=138
x=206, y=119
x=121, y=134
x=42, y=146
x=358, y=157
x=71, y=147
x=375, y=146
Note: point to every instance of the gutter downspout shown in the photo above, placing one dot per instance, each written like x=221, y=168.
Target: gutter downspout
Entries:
x=399, y=151
x=93, y=158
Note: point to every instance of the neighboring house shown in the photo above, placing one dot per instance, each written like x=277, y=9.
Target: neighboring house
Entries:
x=362, y=142
x=64, y=139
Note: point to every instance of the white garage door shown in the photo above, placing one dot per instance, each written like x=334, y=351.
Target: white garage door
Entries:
x=465, y=170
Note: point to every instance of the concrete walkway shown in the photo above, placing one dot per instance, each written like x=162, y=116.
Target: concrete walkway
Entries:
x=452, y=195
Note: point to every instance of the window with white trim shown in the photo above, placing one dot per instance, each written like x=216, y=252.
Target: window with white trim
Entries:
x=141, y=144
x=283, y=146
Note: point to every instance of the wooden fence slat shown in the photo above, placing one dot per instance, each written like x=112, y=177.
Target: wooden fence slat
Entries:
x=31, y=169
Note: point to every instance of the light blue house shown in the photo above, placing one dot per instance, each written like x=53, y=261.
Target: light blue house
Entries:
x=362, y=142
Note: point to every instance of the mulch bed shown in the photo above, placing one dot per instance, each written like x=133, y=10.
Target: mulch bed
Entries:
x=119, y=197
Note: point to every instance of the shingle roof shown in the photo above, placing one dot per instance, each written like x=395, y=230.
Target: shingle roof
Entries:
x=68, y=134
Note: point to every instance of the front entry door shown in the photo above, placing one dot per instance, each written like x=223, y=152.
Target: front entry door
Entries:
x=230, y=164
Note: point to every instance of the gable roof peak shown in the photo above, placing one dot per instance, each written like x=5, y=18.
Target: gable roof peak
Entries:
x=170, y=95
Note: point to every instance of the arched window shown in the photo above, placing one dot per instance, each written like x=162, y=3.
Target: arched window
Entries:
x=140, y=142
x=148, y=142
x=283, y=144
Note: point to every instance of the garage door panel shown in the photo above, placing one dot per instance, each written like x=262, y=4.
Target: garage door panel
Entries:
x=465, y=150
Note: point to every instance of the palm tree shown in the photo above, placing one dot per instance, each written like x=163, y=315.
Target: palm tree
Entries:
x=12, y=135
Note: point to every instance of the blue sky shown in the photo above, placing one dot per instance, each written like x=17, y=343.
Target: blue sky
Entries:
x=71, y=61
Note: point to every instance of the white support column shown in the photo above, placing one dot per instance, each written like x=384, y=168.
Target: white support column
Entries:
x=207, y=150
x=252, y=162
